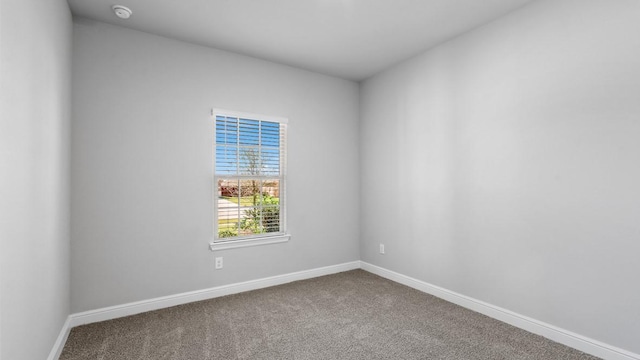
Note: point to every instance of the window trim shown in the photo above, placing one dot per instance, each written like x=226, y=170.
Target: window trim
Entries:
x=246, y=242
x=258, y=239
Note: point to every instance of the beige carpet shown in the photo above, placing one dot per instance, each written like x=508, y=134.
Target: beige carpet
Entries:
x=351, y=315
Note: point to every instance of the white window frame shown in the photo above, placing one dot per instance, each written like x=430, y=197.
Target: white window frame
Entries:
x=256, y=239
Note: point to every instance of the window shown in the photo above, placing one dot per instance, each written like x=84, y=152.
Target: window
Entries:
x=249, y=176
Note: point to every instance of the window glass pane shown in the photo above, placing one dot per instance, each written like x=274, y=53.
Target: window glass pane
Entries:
x=249, y=161
x=228, y=214
x=250, y=211
x=270, y=134
x=249, y=132
x=270, y=161
x=250, y=194
x=271, y=189
x=271, y=218
x=251, y=222
x=226, y=130
x=226, y=160
x=271, y=205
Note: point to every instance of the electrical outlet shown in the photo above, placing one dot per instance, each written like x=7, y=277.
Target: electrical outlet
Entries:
x=382, y=249
x=219, y=264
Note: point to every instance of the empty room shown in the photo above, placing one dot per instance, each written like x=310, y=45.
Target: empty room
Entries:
x=319, y=179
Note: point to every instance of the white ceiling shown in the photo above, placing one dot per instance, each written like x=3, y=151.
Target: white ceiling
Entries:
x=352, y=39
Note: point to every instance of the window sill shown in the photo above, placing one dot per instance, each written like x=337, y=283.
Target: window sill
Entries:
x=235, y=244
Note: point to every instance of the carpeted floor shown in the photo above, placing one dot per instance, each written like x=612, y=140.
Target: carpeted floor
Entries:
x=351, y=315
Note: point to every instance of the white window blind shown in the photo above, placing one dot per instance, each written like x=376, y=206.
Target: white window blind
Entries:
x=249, y=176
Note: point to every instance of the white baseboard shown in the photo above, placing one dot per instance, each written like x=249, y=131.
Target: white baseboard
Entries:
x=562, y=336
x=554, y=333
x=61, y=340
x=138, y=307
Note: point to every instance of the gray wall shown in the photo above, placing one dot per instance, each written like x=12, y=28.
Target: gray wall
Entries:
x=35, y=38
x=141, y=171
x=504, y=165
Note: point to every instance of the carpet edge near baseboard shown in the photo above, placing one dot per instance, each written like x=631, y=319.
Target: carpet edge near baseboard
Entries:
x=559, y=335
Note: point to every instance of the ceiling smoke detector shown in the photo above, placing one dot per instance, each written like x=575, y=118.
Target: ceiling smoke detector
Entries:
x=122, y=12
